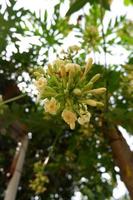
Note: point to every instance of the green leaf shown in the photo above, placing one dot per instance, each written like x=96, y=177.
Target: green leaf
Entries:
x=113, y=78
x=77, y=5
x=128, y=2
x=105, y=4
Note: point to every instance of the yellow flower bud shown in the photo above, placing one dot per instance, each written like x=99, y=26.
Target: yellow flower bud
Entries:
x=59, y=63
x=95, y=78
x=63, y=71
x=70, y=79
x=37, y=74
x=89, y=102
x=88, y=66
x=100, y=104
x=77, y=91
x=98, y=91
x=88, y=87
x=70, y=67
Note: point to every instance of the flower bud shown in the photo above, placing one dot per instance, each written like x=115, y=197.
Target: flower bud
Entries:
x=58, y=62
x=77, y=91
x=97, y=91
x=100, y=104
x=70, y=79
x=63, y=71
x=88, y=87
x=37, y=74
x=70, y=67
x=88, y=66
x=95, y=78
x=89, y=102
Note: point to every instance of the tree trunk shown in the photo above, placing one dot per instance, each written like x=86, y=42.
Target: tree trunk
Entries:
x=122, y=155
x=11, y=191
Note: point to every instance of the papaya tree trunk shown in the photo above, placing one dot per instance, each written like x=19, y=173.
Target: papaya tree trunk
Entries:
x=122, y=155
x=11, y=191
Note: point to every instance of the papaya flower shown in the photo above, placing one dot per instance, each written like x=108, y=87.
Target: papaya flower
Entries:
x=41, y=83
x=51, y=106
x=69, y=117
x=84, y=118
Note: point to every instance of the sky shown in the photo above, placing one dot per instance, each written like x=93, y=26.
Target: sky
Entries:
x=117, y=9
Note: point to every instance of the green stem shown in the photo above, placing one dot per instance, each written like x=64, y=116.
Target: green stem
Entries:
x=51, y=150
x=105, y=58
x=13, y=99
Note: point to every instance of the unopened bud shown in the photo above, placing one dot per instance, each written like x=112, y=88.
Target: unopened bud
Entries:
x=63, y=71
x=95, y=78
x=70, y=67
x=97, y=91
x=89, y=102
x=100, y=104
x=88, y=87
x=88, y=66
x=37, y=74
x=77, y=91
x=70, y=79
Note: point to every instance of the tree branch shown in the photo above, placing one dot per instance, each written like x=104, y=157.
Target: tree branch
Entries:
x=122, y=155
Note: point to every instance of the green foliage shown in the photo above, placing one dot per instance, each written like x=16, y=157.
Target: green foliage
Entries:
x=126, y=34
x=128, y=2
x=77, y=5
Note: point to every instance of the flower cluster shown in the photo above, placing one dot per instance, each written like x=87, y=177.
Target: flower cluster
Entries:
x=39, y=183
x=91, y=36
x=66, y=91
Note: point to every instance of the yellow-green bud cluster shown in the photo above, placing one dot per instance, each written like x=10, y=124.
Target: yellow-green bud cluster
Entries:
x=39, y=183
x=91, y=35
x=66, y=91
x=128, y=79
